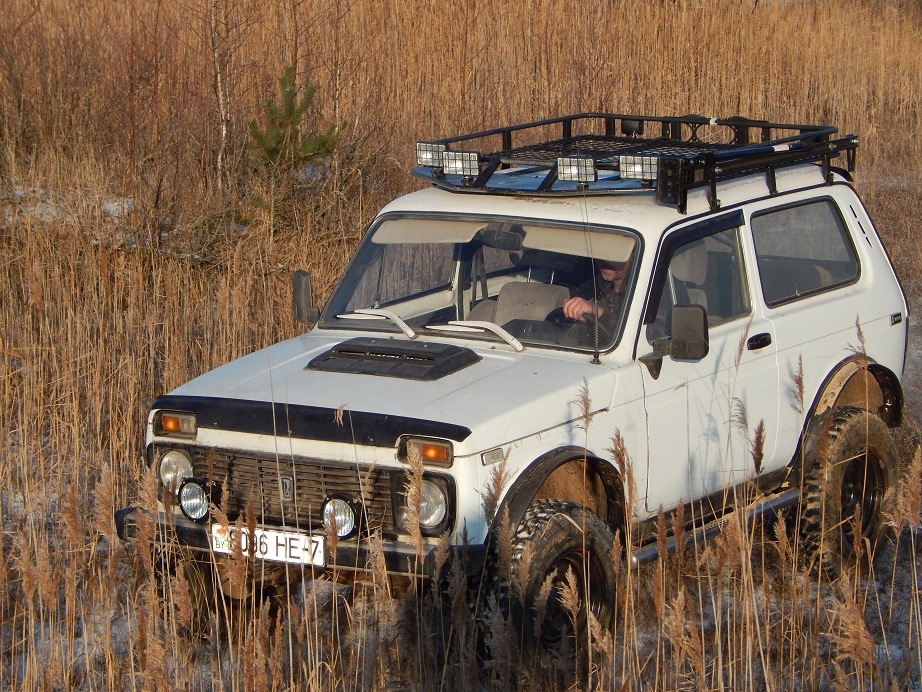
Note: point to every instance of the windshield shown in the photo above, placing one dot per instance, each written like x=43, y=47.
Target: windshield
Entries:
x=540, y=283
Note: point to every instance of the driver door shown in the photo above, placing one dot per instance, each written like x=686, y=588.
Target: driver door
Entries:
x=711, y=421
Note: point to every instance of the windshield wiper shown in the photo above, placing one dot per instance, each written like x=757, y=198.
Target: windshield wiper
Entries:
x=477, y=326
x=378, y=314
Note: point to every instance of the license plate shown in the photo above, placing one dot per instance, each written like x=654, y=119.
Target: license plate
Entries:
x=276, y=546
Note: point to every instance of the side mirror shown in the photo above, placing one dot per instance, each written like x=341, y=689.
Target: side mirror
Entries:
x=689, y=340
x=303, y=298
x=689, y=332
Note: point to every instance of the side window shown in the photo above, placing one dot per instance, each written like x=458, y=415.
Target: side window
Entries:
x=707, y=272
x=802, y=250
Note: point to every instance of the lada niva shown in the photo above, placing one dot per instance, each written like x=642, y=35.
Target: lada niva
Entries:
x=627, y=315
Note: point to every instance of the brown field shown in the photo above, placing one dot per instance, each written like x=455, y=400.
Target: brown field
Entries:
x=139, y=247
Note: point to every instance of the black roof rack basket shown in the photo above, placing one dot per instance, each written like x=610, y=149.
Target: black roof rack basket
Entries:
x=602, y=153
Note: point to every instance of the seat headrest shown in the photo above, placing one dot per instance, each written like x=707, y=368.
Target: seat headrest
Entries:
x=690, y=263
x=527, y=300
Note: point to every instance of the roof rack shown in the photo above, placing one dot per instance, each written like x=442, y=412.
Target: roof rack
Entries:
x=602, y=153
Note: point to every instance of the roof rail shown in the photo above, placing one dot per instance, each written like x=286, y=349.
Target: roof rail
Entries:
x=602, y=153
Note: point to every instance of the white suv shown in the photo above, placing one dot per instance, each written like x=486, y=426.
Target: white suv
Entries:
x=629, y=314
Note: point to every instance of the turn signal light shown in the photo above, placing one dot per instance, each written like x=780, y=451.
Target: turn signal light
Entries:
x=175, y=424
x=431, y=452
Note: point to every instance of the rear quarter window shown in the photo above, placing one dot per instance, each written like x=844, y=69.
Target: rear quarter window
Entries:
x=802, y=250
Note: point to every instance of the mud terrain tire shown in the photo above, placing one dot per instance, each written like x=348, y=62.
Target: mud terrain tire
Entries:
x=848, y=484
x=562, y=537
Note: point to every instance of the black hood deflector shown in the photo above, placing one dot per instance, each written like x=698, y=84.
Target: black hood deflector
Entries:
x=408, y=360
x=306, y=422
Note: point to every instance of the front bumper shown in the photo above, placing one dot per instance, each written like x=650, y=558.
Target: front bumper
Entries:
x=399, y=558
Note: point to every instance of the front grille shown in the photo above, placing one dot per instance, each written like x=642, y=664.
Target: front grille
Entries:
x=291, y=490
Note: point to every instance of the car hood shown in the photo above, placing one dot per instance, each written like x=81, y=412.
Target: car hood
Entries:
x=500, y=395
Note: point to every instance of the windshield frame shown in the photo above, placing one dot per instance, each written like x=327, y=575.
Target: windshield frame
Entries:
x=460, y=276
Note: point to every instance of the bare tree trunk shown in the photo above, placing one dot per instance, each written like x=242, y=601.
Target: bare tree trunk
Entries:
x=220, y=86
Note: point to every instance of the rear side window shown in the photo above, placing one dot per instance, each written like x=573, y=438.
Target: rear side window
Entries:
x=802, y=250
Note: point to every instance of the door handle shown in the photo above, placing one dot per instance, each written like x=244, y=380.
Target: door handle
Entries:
x=754, y=343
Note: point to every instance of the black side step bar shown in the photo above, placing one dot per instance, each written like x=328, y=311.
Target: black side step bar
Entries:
x=701, y=535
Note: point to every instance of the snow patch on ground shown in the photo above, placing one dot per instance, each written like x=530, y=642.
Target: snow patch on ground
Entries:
x=114, y=222
x=44, y=205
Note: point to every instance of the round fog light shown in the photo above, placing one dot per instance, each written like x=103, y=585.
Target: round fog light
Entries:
x=432, y=504
x=339, y=515
x=193, y=499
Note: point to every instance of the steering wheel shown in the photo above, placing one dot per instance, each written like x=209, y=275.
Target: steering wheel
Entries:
x=557, y=317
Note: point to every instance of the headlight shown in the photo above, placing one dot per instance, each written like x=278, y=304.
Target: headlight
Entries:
x=339, y=514
x=193, y=499
x=175, y=467
x=436, y=504
x=433, y=505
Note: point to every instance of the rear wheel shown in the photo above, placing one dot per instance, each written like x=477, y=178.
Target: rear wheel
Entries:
x=844, y=507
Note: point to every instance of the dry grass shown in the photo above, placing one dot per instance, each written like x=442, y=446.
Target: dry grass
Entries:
x=138, y=249
x=157, y=95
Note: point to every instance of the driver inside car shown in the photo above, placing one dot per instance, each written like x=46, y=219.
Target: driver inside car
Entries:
x=603, y=293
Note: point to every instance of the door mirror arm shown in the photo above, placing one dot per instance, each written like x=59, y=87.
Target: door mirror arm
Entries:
x=654, y=359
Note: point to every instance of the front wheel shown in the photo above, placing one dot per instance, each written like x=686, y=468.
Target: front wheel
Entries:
x=568, y=546
x=844, y=496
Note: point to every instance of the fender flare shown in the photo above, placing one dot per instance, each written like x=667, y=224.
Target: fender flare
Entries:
x=526, y=486
x=891, y=410
x=821, y=411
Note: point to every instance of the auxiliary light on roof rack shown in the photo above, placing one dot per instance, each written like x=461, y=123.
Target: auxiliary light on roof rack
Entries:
x=576, y=168
x=638, y=167
x=444, y=161
x=463, y=163
x=429, y=155
x=611, y=153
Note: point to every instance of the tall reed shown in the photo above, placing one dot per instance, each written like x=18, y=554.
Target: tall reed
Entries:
x=138, y=248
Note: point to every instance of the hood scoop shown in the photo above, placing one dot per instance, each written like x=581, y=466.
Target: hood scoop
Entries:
x=408, y=360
